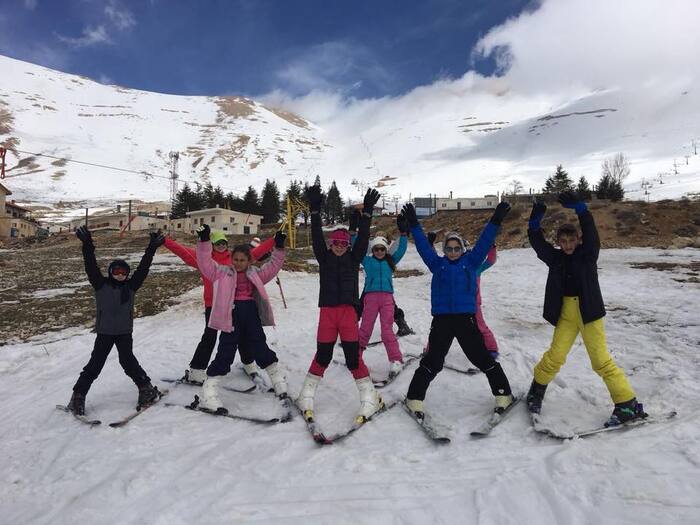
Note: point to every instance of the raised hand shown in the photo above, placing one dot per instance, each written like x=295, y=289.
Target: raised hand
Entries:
x=156, y=239
x=203, y=232
x=371, y=198
x=499, y=214
x=402, y=223
x=315, y=197
x=279, y=239
x=83, y=234
x=354, y=220
x=409, y=212
x=569, y=199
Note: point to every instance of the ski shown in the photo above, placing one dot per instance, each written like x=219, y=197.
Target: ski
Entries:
x=361, y=421
x=229, y=388
x=468, y=371
x=82, y=419
x=194, y=406
x=139, y=410
x=381, y=383
x=537, y=425
x=313, y=427
x=495, y=419
x=432, y=429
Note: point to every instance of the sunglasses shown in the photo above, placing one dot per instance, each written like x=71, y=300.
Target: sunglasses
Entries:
x=120, y=271
x=379, y=249
x=341, y=243
x=453, y=249
x=221, y=243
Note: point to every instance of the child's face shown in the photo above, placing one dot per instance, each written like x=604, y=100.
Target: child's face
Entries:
x=379, y=252
x=221, y=246
x=119, y=277
x=240, y=261
x=453, y=250
x=339, y=247
x=568, y=243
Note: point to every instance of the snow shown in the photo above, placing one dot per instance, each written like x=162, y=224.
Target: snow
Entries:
x=173, y=466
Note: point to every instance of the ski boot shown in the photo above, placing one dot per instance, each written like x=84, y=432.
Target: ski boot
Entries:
x=626, y=412
x=394, y=368
x=416, y=407
x=77, y=404
x=370, y=401
x=404, y=329
x=148, y=394
x=194, y=376
x=305, y=401
x=535, y=396
x=210, y=401
x=279, y=382
x=502, y=403
x=251, y=370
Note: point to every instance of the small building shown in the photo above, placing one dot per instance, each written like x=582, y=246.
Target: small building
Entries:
x=21, y=222
x=231, y=221
x=466, y=203
x=117, y=221
x=4, y=216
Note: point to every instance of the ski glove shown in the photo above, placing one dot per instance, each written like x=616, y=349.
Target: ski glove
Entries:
x=371, y=198
x=279, y=239
x=501, y=211
x=84, y=235
x=569, y=199
x=402, y=223
x=409, y=212
x=203, y=232
x=156, y=240
x=431, y=237
x=354, y=220
x=536, y=215
x=315, y=198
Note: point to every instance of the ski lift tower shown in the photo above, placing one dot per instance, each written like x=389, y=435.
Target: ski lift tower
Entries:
x=174, y=159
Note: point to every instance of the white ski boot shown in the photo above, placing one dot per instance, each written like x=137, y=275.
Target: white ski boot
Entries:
x=279, y=382
x=210, y=395
x=195, y=376
x=394, y=368
x=502, y=403
x=370, y=401
x=416, y=406
x=305, y=401
x=251, y=369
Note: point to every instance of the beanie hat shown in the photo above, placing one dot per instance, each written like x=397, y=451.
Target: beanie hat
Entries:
x=216, y=236
x=341, y=234
x=118, y=263
x=378, y=241
x=455, y=236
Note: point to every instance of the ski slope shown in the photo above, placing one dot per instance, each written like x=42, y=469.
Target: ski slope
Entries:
x=171, y=466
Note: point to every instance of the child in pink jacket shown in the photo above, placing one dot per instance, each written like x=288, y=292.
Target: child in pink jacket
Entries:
x=240, y=307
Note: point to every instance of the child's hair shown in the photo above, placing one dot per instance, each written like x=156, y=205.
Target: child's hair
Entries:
x=567, y=229
x=390, y=261
x=242, y=248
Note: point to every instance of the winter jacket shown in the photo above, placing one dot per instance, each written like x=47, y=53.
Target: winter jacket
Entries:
x=583, y=266
x=378, y=274
x=115, y=300
x=189, y=257
x=488, y=263
x=339, y=275
x=453, y=286
x=223, y=280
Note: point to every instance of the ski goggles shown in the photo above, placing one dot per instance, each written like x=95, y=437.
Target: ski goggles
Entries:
x=453, y=249
x=120, y=270
x=341, y=243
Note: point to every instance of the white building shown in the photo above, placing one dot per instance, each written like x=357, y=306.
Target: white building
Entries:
x=230, y=221
x=466, y=203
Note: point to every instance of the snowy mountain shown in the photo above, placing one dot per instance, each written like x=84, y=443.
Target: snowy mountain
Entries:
x=471, y=136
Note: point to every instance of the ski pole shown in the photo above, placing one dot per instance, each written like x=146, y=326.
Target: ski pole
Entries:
x=279, y=283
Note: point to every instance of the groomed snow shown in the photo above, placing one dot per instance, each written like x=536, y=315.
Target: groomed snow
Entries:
x=171, y=466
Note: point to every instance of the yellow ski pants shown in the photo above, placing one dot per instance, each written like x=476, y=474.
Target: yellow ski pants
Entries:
x=568, y=327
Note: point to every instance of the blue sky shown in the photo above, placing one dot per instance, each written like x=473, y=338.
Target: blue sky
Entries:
x=360, y=48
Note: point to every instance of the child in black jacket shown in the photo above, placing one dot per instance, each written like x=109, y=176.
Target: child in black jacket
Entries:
x=114, y=298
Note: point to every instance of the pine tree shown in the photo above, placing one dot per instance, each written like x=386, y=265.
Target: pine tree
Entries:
x=233, y=202
x=182, y=202
x=583, y=190
x=603, y=190
x=218, y=198
x=333, y=205
x=558, y=182
x=270, y=202
x=207, y=193
x=251, y=202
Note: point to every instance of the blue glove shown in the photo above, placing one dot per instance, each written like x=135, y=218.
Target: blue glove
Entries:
x=570, y=200
x=538, y=210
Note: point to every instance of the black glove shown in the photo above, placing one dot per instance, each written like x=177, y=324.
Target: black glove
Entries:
x=315, y=197
x=569, y=199
x=279, y=239
x=538, y=210
x=203, y=232
x=409, y=212
x=355, y=220
x=501, y=211
x=156, y=240
x=431, y=237
x=402, y=223
x=84, y=235
x=371, y=198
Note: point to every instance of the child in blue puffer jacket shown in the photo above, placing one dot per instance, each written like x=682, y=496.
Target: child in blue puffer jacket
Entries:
x=378, y=296
x=454, y=306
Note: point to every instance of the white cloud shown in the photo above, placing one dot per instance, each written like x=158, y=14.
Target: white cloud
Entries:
x=91, y=36
x=119, y=15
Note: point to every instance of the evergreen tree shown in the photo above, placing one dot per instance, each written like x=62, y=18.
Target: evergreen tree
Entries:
x=198, y=200
x=334, y=205
x=558, y=182
x=583, y=190
x=270, y=202
x=183, y=201
x=218, y=198
x=207, y=196
x=251, y=202
x=233, y=202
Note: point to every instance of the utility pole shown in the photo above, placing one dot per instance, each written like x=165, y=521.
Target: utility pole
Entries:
x=675, y=167
x=174, y=159
x=86, y=217
x=129, y=217
x=695, y=146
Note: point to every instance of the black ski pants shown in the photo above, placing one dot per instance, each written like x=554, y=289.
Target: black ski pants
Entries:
x=248, y=337
x=202, y=355
x=103, y=345
x=443, y=330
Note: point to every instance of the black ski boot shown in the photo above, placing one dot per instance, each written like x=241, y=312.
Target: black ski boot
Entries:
x=148, y=394
x=77, y=404
x=626, y=412
x=400, y=321
x=535, y=396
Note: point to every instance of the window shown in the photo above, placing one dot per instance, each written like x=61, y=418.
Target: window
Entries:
x=213, y=220
x=488, y=203
x=231, y=219
x=444, y=205
x=121, y=223
x=225, y=228
x=201, y=220
x=179, y=225
x=246, y=229
x=472, y=203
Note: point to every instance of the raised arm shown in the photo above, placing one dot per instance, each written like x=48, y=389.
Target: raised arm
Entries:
x=157, y=239
x=273, y=265
x=477, y=255
x=315, y=198
x=400, y=249
x=425, y=250
x=544, y=250
x=261, y=249
x=187, y=255
x=359, y=249
x=91, y=269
